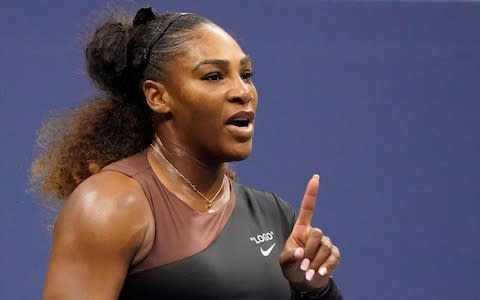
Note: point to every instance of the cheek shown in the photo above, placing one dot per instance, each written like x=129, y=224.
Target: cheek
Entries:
x=205, y=116
x=209, y=107
x=201, y=108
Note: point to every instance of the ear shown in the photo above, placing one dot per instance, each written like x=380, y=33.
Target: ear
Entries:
x=157, y=96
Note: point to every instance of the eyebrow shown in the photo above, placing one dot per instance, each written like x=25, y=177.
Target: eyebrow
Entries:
x=223, y=63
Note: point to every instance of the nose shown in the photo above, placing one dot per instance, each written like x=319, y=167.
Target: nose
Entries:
x=241, y=92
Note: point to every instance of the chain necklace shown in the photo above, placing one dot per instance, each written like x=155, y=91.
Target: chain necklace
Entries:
x=211, y=201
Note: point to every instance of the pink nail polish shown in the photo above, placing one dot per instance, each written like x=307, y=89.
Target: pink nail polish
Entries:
x=304, y=265
x=298, y=253
x=309, y=274
x=322, y=271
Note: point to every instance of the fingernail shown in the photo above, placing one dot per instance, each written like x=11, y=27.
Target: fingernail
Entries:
x=298, y=253
x=322, y=271
x=309, y=274
x=304, y=265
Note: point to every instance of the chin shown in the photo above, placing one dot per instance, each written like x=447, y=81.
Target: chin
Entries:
x=239, y=157
x=239, y=153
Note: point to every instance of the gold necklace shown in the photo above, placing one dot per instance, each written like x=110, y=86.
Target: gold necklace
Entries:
x=192, y=186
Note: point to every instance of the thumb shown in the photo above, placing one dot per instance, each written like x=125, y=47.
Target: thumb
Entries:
x=291, y=256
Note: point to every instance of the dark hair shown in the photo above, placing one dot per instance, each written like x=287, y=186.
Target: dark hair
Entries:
x=120, y=56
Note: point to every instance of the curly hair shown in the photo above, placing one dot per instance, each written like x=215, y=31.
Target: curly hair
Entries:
x=121, y=54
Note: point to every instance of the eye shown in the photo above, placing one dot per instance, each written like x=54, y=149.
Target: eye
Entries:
x=214, y=76
x=247, y=75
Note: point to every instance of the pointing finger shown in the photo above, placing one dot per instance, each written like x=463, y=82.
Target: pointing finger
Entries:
x=307, y=207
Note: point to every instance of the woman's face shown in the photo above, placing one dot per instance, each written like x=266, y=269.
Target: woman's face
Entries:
x=212, y=97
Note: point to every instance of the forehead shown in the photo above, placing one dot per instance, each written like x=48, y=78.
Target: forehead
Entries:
x=211, y=42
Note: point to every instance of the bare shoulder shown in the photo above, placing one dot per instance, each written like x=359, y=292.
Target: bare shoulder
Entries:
x=106, y=207
x=99, y=233
x=107, y=195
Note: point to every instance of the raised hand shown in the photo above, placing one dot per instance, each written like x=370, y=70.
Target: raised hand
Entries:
x=308, y=258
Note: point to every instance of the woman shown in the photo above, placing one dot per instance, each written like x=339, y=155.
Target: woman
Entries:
x=152, y=210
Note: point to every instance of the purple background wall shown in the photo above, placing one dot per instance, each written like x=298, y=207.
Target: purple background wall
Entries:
x=382, y=99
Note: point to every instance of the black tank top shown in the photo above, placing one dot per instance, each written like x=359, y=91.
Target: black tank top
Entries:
x=241, y=262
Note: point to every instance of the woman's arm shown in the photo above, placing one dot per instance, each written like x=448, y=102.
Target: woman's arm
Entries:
x=98, y=234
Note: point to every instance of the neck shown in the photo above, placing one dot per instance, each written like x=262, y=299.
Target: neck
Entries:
x=207, y=178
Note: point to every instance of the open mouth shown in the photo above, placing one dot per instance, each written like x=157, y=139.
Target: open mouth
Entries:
x=240, y=122
x=241, y=119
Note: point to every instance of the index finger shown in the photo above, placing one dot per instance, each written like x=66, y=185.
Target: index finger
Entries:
x=307, y=207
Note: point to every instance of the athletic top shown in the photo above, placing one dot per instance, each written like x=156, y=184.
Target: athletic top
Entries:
x=231, y=253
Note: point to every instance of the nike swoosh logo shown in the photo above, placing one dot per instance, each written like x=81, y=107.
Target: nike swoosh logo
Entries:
x=268, y=251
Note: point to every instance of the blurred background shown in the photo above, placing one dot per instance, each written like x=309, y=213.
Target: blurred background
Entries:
x=381, y=99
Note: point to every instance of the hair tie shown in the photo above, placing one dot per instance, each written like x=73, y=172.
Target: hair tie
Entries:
x=144, y=15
